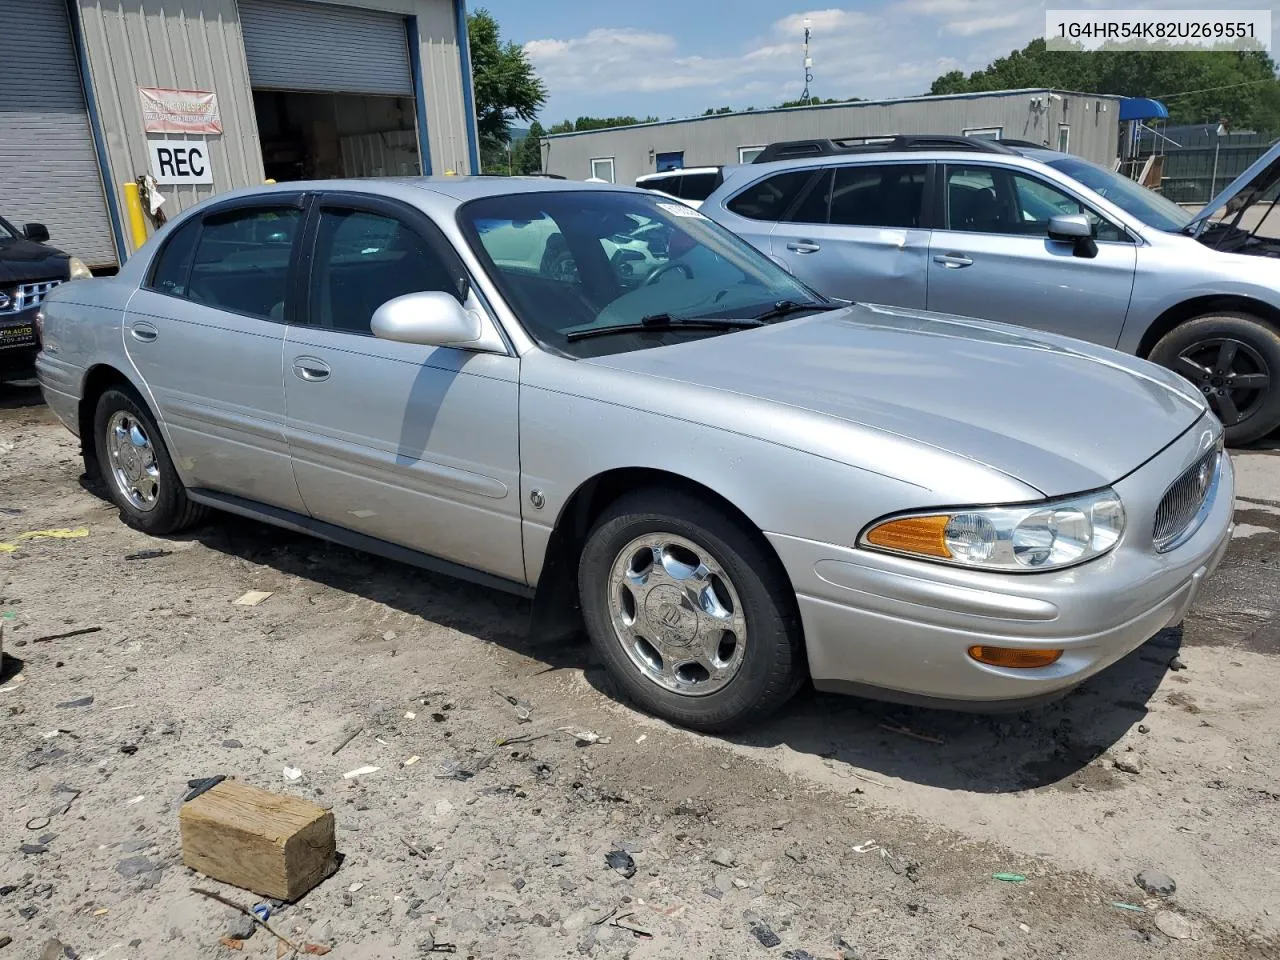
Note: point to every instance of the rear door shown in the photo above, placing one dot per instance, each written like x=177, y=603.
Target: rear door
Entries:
x=860, y=233
x=206, y=332
x=753, y=212
x=992, y=256
x=411, y=444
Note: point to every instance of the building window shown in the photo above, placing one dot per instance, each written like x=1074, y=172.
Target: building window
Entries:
x=1064, y=137
x=748, y=154
x=669, y=161
x=985, y=133
x=602, y=169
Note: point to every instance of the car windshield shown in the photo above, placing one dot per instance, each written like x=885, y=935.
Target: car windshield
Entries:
x=1133, y=198
x=7, y=232
x=574, y=263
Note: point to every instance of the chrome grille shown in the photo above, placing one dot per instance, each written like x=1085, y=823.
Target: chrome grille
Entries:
x=1183, y=500
x=24, y=296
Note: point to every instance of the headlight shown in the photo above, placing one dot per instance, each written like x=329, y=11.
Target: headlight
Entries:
x=1037, y=536
x=78, y=270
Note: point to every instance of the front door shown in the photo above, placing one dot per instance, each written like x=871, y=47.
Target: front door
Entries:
x=857, y=234
x=994, y=258
x=411, y=444
x=206, y=332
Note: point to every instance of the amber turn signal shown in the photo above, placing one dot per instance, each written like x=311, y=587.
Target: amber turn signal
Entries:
x=1018, y=658
x=923, y=535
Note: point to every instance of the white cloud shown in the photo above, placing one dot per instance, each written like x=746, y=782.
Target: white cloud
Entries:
x=976, y=25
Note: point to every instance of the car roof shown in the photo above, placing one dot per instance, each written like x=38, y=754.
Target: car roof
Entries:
x=1017, y=157
x=678, y=172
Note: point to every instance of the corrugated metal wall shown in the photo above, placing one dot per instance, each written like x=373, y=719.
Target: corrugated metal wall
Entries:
x=198, y=44
x=1093, y=122
x=185, y=44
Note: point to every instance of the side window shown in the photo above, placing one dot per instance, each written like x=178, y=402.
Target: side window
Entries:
x=698, y=186
x=770, y=198
x=1038, y=201
x=364, y=259
x=814, y=204
x=980, y=200
x=242, y=260
x=888, y=195
x=172, y=268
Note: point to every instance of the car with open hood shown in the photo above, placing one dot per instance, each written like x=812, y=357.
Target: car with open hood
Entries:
x=29, y=269
x=730, y=481
x=1022, y=234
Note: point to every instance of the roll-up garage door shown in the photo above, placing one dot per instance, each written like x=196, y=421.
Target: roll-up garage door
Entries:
x=48, y=168
x=318, y=47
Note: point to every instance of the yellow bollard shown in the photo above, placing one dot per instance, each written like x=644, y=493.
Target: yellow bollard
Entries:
x=268, y=181
x=137, y=223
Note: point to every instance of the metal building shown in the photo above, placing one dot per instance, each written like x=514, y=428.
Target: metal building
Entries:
x=1081, y=123
x=96, y=93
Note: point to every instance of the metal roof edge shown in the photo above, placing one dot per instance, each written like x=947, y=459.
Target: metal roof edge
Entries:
x=925, y=98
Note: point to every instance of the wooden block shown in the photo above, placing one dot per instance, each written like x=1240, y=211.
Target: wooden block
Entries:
x=275, y=846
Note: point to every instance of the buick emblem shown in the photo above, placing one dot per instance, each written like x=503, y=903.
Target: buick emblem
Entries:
x=670, y=615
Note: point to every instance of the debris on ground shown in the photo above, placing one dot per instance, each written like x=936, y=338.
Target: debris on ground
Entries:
x=622, y=862
x=252, y=598
x=1128, y=763
x=1174, y=925
x=291, y=773
x=60, y=534
x=1132, y=907
x=584, y=738
x=74, y=704
x=360, y=772
x=1009, y=877
x=1156, y=883
x=82, y=632
x=524, y=710
x=346, y=739
x=761, y=931
x=148, y=554
x=906, y=731
x=723, y=858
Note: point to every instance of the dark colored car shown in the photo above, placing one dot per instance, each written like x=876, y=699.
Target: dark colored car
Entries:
x=29, y=269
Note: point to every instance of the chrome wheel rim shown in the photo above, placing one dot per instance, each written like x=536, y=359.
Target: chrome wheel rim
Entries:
x=133, y=461
x=676, y=614
x=1233, y=376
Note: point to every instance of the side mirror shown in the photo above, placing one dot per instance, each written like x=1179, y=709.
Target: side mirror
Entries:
x=1074, y=228
x=36, y=232
x=429, y=318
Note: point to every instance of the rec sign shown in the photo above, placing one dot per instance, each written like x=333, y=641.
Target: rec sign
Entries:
x=180, y=161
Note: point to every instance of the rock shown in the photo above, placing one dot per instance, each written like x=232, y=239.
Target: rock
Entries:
x=238, y=926
x=1156, y=883
x=53, y=949
x=232, y=744
x=724, y=881
x=1143, y=728
x=622, y=862
x=796, y=854
x=128, y=749
x=78, y=702
x=798, y=955
x=1176, y=664
x=26, y=913
x=1129, y=763
x=134, y=866
x=768, y=939
x=31, y=849
x=1174, y=925
x=723, y=858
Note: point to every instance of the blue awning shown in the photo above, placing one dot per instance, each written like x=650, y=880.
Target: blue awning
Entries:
x=1142, y=108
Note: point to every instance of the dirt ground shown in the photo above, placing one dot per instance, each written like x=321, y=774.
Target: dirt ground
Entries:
x=843, y=828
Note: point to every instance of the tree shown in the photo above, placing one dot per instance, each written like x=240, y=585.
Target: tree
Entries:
x=1197, y=86
x=506, y=88
x=528, y=155
x=713, y=111
x=814, y=101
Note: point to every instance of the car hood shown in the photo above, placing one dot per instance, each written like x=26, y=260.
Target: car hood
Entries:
x=1244, y=191
x=1056, y=414
x=23, y=260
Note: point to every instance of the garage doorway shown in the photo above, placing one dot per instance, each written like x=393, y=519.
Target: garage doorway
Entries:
x=315, y=136
x=334, y=90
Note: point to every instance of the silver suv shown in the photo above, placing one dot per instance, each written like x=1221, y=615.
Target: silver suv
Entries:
x=1029, y=236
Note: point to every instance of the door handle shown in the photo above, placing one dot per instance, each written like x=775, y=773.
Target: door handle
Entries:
x=143, y=331
x=804, y=246
x=310, y=369
x=953, y=261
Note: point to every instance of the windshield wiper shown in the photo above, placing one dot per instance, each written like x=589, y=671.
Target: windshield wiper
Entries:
x=665, y=321
x=784, y=308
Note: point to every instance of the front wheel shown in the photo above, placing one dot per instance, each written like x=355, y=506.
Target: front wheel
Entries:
x=136, y=466
x=1234, y=360
x=691, y=614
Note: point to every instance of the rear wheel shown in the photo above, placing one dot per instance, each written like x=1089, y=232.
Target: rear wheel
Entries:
x=692, y=615
x=1234, y=360
x=136, y=467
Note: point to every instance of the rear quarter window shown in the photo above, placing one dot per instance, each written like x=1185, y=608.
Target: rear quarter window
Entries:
x=770, y=198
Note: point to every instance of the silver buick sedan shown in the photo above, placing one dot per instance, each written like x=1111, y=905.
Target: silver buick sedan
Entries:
x=598, y=398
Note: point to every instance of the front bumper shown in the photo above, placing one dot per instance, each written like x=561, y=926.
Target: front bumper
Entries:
x=899, y=629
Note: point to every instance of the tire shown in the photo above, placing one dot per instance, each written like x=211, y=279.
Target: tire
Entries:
x=745, y=599
x=141, y=480
x=1195, y=349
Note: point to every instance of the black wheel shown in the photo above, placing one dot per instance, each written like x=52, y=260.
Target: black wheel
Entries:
x=692, y=615
x=136, y=467
x=1234, y=360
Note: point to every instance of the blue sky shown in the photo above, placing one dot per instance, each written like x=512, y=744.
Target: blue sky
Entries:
x=678, y=57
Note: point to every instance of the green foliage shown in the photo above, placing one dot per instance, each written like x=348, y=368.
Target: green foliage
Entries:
x=506, y=88
x=814, y=101
x=1198, y=86
x=528, y=155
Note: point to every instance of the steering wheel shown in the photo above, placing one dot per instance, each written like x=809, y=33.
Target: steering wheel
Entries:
x=666, y=268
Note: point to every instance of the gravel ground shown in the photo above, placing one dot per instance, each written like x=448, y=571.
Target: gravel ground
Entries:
x=842, y=829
